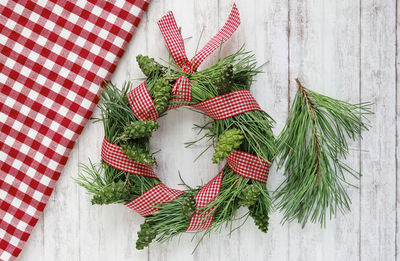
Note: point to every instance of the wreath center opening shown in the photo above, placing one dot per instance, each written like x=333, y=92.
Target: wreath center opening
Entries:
x=175, y=160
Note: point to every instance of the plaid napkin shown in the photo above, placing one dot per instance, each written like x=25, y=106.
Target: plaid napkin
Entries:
x=53, y=57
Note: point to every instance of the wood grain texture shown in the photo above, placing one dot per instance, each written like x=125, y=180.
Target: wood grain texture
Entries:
x=378, y=185
x=345, y=49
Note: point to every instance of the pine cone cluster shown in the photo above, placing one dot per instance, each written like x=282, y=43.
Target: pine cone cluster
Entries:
x=261, y=220
x=110, y=194
x=249, y=195
x=162, y=94
x=139, y=129
x=145, y=236
x=137, y=152
x=189, y=206
x=225, y=81
x=148, y=65
x=228, y=142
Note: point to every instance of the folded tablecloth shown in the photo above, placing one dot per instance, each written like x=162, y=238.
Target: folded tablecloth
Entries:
x=54, y=54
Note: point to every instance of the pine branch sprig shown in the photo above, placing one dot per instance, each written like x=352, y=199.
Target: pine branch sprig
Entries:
x=312, y=146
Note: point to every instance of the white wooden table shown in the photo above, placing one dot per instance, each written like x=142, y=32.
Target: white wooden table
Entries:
x=345, y=49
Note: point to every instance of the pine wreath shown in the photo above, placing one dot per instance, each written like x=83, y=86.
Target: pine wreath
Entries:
x=240, y=132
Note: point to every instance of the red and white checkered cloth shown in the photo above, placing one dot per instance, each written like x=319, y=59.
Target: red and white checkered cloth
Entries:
x=228, y=105
x=208, y=193
x=53, y=57
x=113, y=156
x=145, y=203
x=248, y=165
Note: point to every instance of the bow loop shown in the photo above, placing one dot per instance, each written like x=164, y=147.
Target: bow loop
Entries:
x=173, y=38
x=176, y=46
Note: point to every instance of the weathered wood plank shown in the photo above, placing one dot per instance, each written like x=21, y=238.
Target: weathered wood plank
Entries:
x=61, y=218
x=342, y=80
x=324, y=53
x=34, y=248
x=397, y=133
x=305, y=49
x=378, y=81
x=264, y=31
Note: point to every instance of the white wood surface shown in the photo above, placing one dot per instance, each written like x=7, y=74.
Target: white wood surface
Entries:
x=346, y=49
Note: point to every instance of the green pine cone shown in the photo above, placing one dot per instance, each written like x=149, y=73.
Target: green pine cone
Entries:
x=249, y=195
x=162, y=94
x=139, y=129
x=145, y=236
x=148, y=65
x=225, y=81
x=136, y=152
x=189, y=206
x=110, y=194
x=261, y=220
x=228, y=142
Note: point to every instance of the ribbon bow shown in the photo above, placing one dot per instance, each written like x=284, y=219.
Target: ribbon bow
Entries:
x=174, y=40
x=144, y=108
x=181, y=90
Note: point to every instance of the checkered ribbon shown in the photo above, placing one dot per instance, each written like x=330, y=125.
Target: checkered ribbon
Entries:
x=181, y=93
x=142, y=104
x=228, y=105
x=145, y=203
x=208, y=193
x=53, y=57
x=248, y=165
x=174, y=40
x=113, y=156
x=139, y=98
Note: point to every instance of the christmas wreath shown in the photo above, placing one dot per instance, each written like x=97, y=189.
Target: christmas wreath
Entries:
x=241, y=133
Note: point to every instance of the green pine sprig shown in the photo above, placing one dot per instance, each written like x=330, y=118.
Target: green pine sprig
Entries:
x=312, y=147
x=97, y=178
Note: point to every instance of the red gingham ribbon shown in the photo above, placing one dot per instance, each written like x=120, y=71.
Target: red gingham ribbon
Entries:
x=145, y=203
x=113, y=156
x=181, y=93
x=228, y=105
x=224, y=34
x=208, y=193
x=248, y=165
x=142, y=104
x=174, y=40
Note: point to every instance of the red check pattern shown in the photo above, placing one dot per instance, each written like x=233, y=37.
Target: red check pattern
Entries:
x=203, y=219
x=221, y=37
x=145, y=203
x=174, y=41
x=228, y=105
x=53, y=57
x=181, y=93
x=142, y=104
x=176, y=46
x=248, y=165
x=112, y=155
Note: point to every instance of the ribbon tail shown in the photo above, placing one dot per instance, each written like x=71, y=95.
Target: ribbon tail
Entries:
x=173, y=38
x=208, y=193
x=222, y=36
